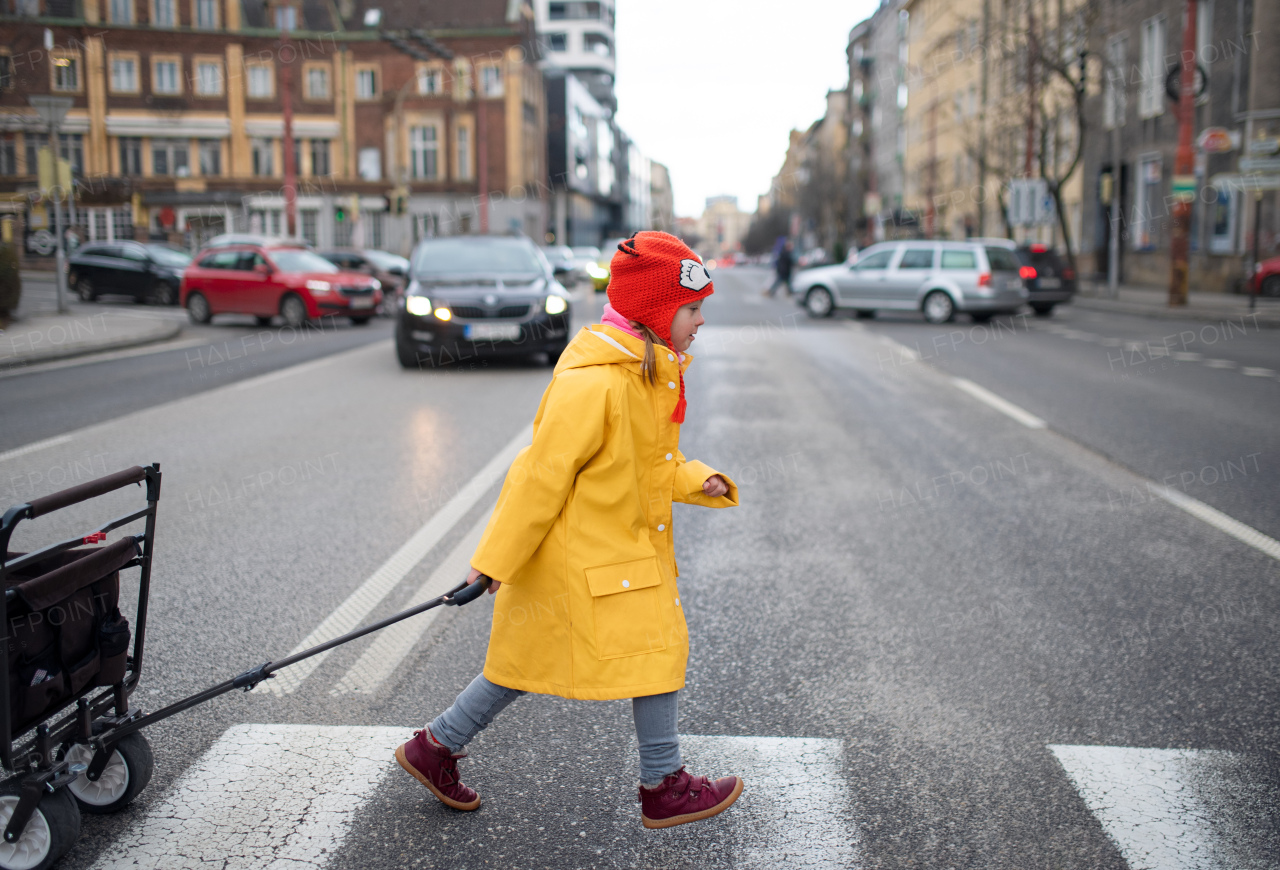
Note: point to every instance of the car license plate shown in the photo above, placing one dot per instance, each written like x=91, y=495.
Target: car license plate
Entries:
x=492, y=331
x=1050, y=283
x=362, y=302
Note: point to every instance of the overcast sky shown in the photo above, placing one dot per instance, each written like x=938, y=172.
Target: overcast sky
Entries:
x=712, y=87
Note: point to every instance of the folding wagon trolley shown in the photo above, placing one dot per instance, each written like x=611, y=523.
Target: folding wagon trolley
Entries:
x=66, y=645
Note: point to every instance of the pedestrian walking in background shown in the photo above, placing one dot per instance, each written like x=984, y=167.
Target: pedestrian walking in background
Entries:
x=782, y=262
x=580, y=548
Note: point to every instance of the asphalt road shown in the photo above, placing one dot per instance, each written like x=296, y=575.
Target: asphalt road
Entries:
x=929, y=637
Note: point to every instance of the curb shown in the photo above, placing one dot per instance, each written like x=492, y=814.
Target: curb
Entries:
x=168, y=332
x=1262, y=316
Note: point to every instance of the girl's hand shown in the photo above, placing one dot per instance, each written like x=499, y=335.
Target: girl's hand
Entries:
x=714, y=486
x=473, y=575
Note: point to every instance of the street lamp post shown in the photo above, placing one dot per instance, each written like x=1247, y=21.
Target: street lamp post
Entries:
x=52, y=110
x=1184, y=165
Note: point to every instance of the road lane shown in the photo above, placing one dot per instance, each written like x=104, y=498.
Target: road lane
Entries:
x=932, y=586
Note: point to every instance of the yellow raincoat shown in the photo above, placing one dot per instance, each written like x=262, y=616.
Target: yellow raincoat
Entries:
x=581, y=535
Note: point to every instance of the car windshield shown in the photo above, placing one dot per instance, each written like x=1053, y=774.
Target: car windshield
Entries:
x=475, y=257
x=298, y=260
x=385, y=261
x=1002, y=260
x=168, y=256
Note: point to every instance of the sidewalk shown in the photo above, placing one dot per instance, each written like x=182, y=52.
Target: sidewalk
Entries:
x=1153, y=302
x=39, y=334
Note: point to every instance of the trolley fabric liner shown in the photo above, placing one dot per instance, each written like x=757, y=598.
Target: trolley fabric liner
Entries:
x=67, y=646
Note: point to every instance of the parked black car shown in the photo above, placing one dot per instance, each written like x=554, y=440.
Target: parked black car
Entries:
x=477, y=296
x=147, y=272
x=1051, y=281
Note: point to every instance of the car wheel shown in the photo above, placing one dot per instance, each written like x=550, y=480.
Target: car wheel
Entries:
x=293, y=310
x=819, y=302
x=1271, y=286
x=52, y=830
x=981, y=317
x=360, y=321
x=865, y=313
x=86, y=290
x=161, y=294
x=938, y=307
x=198, y=308
x=263, y=319
x=1042, y=310
x=407, y=355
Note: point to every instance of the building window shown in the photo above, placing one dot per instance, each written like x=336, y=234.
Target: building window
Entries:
x=597, y=43
x=320, y=164
x=430, y=82
x=130, y=156
x=163, y=13
x=166, y=75
x=260, y=82
x=366, y=83
x=206, y=14
x=6, y=72
x=210, y=157
x=8, y=154
x=209, y=78
x=1222, y=222
x=286, y=18
x=575, y=11
x=307, y=218
x=424, y=152
x=124, y=74
x=558, y=41
x=263, y=154
x=370, y=164
x=66, y=73
x=317, y=83
x=121, y=11
x=71, y=148
x=491, y=81
x=1151, y=96
x=169, y=157
x=1148, y=205
x=464, y=152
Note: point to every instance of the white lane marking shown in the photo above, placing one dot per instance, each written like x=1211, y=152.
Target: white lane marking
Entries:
x=395, y=642
x=791, y=813
x=264, y=797
x=909, y=354
x=1172, y=809
x=982, y=394
x=371, y=592
x=1257, y=372
x=1219, y=520
x=34, y=446
x=194, y=397
x=88, y=359
x=1188, y=356
x=1220, y=363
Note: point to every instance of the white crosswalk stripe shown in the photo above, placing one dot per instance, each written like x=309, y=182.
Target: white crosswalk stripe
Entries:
x=1174, y=809
x=264, y=797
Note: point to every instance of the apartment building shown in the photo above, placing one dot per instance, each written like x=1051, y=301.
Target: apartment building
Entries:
x=407, y=119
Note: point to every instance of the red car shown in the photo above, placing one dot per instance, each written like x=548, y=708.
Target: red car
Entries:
x=1266, y=278
x=266, y=280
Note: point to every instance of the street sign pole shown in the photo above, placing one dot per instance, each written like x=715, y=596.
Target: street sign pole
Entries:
x=52, y=110
x=1184, y=165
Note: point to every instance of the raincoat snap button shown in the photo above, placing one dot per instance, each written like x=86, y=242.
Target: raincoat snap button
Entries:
x=668, y=457
x=671, y=357
x=671, y=384
x=626, y=584
x=677, y=602
x=662, y=527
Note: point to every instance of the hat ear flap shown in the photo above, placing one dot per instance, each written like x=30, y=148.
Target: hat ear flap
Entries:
x=629, y=246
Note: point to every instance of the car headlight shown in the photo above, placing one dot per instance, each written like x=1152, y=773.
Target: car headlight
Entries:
x=418, y=306
x=319, y=286
x=557, y=304
x=595, y=270
x=377, y=285
x=443, y=313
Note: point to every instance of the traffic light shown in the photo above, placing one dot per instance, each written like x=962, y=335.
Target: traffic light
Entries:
x=339, y=213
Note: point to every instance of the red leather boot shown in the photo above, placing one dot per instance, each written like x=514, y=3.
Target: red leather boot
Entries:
x=436, y=767
x=682, y=798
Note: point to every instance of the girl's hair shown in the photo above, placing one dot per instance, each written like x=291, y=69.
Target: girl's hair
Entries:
x=648, y=365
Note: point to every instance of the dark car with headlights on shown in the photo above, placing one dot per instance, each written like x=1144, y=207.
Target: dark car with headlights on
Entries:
x=147, y=272
x=480, y=296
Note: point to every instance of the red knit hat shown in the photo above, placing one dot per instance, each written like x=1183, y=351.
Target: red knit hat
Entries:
x=651, y=277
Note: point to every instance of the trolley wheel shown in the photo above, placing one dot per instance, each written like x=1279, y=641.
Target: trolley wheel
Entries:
x=127, y=773
x=52, y=831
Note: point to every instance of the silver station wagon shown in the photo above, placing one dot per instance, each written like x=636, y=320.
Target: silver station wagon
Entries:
x=977, y=277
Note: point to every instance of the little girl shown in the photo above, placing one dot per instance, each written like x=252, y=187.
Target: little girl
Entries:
x=580, y=542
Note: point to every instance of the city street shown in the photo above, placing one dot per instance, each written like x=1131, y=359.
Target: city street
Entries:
x=996, y=596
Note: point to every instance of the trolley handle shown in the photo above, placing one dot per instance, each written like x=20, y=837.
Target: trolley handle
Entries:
x=85, y=491
x=464, y=593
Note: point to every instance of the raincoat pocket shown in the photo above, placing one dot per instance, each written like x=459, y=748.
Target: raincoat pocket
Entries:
x=625, y=603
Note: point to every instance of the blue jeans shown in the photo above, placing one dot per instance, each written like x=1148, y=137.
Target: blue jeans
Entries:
x=655, y=717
